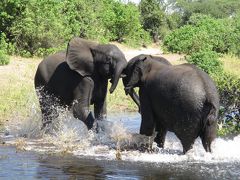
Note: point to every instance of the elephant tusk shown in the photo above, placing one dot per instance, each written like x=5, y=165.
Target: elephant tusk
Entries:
x=123, y=75
x=127, y=88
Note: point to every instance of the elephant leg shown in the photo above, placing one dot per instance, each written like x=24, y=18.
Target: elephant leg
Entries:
x=47, y=105
x=81, y=106
x=160, y=138
x=186, y=146
x=100, y=110
x=187, y=142
x=147, y=124
x=100, y=104
x=46, y=114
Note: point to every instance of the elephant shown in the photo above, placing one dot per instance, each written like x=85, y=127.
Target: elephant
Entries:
x=179, y=98
x=77, y=78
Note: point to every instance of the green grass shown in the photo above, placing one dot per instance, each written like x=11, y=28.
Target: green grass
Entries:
x=119, y=102
x=17, y=93
x=231, y=64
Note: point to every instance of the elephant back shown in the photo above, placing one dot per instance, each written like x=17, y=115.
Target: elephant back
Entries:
x=79, y=56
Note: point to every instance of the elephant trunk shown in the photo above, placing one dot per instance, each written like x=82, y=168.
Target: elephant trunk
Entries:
x=117, y=73
x=135, y=98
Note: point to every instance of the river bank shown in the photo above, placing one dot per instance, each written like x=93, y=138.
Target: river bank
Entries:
x=17, y=94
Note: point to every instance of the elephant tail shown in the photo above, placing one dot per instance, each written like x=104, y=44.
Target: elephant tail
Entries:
x=210, y=113
x=209, y=124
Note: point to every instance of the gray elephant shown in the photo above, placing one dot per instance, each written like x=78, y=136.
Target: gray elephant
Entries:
x=181, y=98
x=78, y=78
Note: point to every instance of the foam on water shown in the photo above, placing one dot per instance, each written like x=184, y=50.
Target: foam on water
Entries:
x=69, y=135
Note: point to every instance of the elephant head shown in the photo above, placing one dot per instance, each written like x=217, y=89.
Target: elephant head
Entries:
x=88, y=58
x=136, y=71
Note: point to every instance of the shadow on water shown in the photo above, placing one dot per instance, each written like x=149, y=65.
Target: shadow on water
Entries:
x=97, y=160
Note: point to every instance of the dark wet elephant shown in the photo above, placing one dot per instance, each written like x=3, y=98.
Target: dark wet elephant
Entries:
x=78, y=78
x=181, y=98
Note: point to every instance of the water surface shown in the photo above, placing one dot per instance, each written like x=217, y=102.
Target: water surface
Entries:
x=70, y=152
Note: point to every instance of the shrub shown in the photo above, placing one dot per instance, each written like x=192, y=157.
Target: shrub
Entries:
x=127, y=26
x=182, y=39
x=202, y=33
x=39, y=26
x=206, y=60
x=43, y=52
x=215, y=8
x=229, y=90
x=10, y=10
x=4, y=58
x=235, y=48
x=153, y=17
x=43, y=25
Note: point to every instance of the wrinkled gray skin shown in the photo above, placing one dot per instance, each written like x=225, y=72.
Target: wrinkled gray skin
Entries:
x=78, y=78
x=181, y=98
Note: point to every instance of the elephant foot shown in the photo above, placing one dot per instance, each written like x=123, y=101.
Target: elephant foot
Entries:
x=160, y=145
x=96, y=127
x=207, y=147
x=89, y=121
x=186, y=148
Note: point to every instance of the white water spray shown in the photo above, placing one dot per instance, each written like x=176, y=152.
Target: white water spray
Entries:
x=69, y=135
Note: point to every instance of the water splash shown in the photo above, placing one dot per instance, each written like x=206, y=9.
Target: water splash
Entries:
x=69, y=135
x=25, y=127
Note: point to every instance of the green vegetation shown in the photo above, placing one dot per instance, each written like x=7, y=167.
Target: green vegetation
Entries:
x=215, y=8
x=155, y=20
x=229, y=91
x=119, y=102
x=4, y=58
x=42, y=27
x=231, y=64
x=206, y=60
x=18, y=98
x=152, y=17
x=206, y=31
x=17, y=93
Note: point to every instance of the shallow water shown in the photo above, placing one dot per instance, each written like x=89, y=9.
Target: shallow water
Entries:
x=69, y=151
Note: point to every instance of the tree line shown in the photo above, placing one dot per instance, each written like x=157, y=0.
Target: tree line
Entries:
x=39, y=27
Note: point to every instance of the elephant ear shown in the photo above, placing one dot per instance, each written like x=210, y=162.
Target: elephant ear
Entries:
x=79, y=56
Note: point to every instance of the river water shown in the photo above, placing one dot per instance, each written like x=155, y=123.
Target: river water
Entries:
x=69, y=151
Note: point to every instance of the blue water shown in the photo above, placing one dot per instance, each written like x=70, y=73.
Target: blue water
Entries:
x=43, y=165
x=28, y=165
